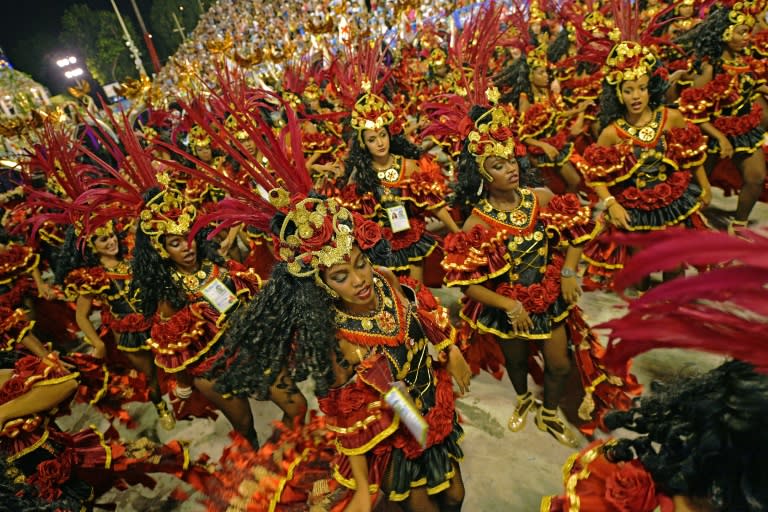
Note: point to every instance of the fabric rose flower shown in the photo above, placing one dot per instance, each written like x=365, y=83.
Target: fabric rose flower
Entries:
x=631, y=489
x=367, y=232
x=506, y=290
x=320, y=236
x=354, y=400
x=456, y=243
x=537, y=295
x=663, y=192
x=567, y=204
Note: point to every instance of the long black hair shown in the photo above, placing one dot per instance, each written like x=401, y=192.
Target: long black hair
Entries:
x=467, y=188
x=705, y=437
x=514, y=81
x=152, y=274
x=706, y=38
x=289, y=324
x=359, y=162
x=71, y=256
x=611, y=107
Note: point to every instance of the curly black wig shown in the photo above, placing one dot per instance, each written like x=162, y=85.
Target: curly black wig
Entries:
x=289, y=324
x=514, y=81
x=359, y=163
x=467, y=188
x=152, y=274
x=706, y=38
x=558, y=48
x=612, y=109
x=705, y=437
x=70, y=256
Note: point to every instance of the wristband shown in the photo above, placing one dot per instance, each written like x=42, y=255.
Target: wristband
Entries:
x=608, y=201
x=568, y=272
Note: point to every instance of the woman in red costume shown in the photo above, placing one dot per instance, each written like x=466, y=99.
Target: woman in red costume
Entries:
x=62, y=466
x=362, y=337
x=547, y=125
x=100, y=272
x=390, y=182
x=728, y=98
x=646, y=166
x=516, y=261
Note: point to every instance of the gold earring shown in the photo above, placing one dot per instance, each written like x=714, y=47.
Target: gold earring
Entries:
x=728, y=34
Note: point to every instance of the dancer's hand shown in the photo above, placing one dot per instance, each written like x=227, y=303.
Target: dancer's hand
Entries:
x=571, y=289
x=550, y=150
x=519, y=320
x=360, y=502
x=619, y=216
x=726, y=148
x=458, y=368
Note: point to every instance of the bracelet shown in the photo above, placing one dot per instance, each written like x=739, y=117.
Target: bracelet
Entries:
x=182, y=392
x=568, y=272
x=515, y=314
x=608, y=201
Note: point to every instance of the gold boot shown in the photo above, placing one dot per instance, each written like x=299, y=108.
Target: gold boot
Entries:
x=165, y=415
x=548, y=421
x=735, y=225
x=517, y=420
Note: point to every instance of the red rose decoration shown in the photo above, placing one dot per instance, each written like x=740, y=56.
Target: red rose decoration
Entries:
x=320, y=237
x=13, y=388
x=502, y=133
x=630, y=195
x=456, y=243
x=679, y=180
x=567, y=204
x=367, y=232
x=52, y=471
x=476, y=236
x=631, y=489
x=27, y=365
x=506, y=290
x=663, y=191
x=537, y=295
x=354, y=400
x=426, y=299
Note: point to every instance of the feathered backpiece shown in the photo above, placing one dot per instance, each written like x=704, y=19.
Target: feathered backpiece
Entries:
x=470, y=56
x=310, y=233
x=723, y=310
x=58, y=155
x=359, y=64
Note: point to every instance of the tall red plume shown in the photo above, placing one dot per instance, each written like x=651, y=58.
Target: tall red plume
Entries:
x=724, y=310
x=363, y=62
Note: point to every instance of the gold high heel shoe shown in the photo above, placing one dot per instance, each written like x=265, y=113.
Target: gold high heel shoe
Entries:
x=547, y=420
x=517, y=420
x=165, y=415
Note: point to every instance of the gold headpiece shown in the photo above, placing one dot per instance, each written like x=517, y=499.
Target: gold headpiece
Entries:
x=315, y=234
x=437, y=57
x=233, y=127
x=537, y=58
x=311, y=91
x=166, y=214
x=371, y=112
x=628, y=61
x=493, y=134
x=741, y=14
x=105, y=230
x=198, y=137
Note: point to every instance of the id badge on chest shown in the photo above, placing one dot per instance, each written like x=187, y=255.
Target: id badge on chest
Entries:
x=398, y=218
x=219, y=296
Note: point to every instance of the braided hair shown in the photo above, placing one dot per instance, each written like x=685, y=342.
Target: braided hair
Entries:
x=705, y=437
x=467, y=188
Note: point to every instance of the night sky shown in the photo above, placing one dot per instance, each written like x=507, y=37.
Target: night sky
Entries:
x=29, y=31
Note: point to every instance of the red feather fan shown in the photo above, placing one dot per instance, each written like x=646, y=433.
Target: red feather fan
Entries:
x=724, y=310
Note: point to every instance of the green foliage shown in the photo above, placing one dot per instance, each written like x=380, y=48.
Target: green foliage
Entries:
x=97, y=34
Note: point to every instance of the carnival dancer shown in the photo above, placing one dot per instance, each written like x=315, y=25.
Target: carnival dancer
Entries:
x=728, y=98
x=700, y=443
x=646, y=166
x=99, y=270
x=357, y=332
x=516, y=260
x=547, y=125
x=71, y=468
x=390, y=182
x=189, y=291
